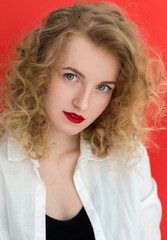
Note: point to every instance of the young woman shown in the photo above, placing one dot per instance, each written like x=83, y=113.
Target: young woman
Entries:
x=72, y=162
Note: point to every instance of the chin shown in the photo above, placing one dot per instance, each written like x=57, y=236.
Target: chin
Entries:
x=74, y=133
x=71, y=132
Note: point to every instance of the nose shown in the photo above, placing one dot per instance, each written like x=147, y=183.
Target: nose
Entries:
x=82, y=99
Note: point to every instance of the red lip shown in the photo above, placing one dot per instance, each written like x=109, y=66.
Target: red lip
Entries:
x=79, y=118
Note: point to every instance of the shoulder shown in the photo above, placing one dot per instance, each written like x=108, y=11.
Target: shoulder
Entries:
x=137, y=161
x=136, y=158
x=132, y=165
x=128, y=157
x=10, y=151
x=131, y=157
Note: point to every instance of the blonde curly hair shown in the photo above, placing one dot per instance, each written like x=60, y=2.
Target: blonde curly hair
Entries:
x=139, y=82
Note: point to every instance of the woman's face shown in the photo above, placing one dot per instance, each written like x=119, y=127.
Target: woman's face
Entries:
x=82, y=85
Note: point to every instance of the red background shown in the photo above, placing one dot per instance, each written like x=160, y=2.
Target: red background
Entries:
x=18, y=17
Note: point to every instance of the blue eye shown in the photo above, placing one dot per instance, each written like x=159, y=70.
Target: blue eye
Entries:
x=104, y=88
x=70, y=76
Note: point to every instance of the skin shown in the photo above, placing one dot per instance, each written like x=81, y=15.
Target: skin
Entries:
x=86, y=95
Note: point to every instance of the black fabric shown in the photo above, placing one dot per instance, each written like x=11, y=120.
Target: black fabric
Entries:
x=77, y=228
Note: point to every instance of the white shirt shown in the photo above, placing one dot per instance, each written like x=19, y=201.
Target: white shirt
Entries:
x=121, y=201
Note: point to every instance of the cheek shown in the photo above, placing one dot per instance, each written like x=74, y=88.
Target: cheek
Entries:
x=100, y=105
x=97, y=109
x=57, y=97
x=53, y=93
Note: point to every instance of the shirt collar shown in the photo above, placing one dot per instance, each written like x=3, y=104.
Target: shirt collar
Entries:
x=16, y=153
x=86, y=151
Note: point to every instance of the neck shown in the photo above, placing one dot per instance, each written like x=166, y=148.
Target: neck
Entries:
x=63, y=143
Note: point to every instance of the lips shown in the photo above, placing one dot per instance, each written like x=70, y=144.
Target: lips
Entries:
x=73, y=117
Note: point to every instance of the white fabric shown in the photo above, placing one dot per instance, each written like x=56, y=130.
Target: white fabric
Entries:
x=119, y=197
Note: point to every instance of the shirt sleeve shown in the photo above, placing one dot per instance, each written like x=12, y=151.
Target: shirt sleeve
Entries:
x=151, y=210
x=4, y=226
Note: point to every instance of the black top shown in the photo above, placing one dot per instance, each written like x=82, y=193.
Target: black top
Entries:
x=77, y=228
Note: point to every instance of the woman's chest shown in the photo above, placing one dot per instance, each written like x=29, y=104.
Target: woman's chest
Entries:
x=62, y=199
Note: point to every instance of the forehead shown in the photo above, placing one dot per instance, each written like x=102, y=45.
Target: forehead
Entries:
x=93, y=61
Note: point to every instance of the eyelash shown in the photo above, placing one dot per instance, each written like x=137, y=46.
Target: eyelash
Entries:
x=66, y=74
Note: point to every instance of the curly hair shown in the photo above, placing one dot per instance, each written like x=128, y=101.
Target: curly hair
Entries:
x=139, y=83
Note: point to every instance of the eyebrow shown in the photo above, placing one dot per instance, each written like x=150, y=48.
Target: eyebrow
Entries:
x=83, y=76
